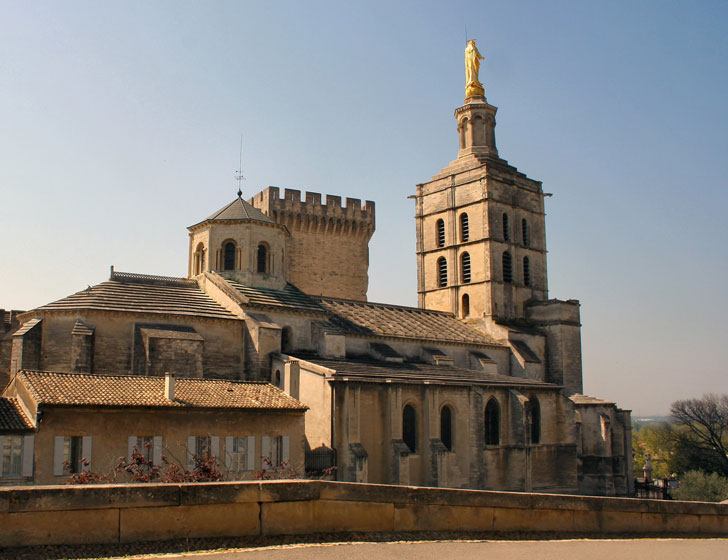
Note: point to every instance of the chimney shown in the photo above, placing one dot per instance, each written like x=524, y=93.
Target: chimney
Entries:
x=169, y=386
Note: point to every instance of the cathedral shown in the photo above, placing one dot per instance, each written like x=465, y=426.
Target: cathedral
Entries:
x=279, y=357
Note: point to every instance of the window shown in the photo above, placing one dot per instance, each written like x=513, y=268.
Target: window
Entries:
x=465, y=307
x=229, y=256
x=278, y=378
x=12, y=449
x=276, y=449
x=492, y=423
x=262, y=258
x=526, y=271
x=506, y=232
x=149, y=447
x=201, y=447
x=440, y=226
x=534, y=413
x=409, y=428
x=446, y=427
x=524, y=230
x=72, y=454
x=442, y=272
x=240, y=453
x=199, y=261
x=286, y=339
x=465, y=268
x=507, y=267
x=464, y=228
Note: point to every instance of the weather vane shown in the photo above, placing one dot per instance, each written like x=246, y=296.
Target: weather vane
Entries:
x=239, y=173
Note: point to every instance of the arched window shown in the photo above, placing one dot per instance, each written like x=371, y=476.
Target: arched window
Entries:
x=526, y=271
x=465, y=307
x=199, y=261
x=262, y=258
x=409, y=428
x=534, y=410
x=524, y=230
x=464, y=228
x=286, y=339
x=446, y=427
x=229, y=256
x=465, y=268
x=440, y=233
x=442, y=272
x=278, y=378
x=492, y=423
x=506, y=230
x=507, y=267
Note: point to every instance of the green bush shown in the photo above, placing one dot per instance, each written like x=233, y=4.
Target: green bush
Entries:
x=697, y=486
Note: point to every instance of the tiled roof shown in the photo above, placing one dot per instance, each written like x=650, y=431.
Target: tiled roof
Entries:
x=290, y=297
x=69, y=389
x=138, y=294
x=12, y=417
x=239, y=209
x=525, y=351
x=410, y=372
x=586, y=399
x=365, y=318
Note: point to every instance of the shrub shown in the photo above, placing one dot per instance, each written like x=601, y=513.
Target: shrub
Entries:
x=697, y=486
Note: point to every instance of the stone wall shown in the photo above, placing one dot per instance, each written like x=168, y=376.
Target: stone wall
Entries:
x=147, y=512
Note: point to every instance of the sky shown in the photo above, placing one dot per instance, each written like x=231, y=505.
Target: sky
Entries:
x=121, y=125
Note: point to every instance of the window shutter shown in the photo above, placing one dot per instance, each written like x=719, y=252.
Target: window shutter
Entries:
x=86, y=451
x=131, y=444
x=28, y=449
x=58, y=469
x=190, y=452
x=215, y=446
x=286, y=448
x=264, y=450
x=251, y=453
x=228, y=452
x=157, y=450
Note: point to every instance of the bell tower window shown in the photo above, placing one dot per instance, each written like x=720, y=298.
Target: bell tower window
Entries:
x=506, y=229
x=229, y=256
x=526, y=271
x=262, y=258
x=464, y=228
x=465, y=268
x=440, y=227
x=524, y=232
x=507, y=268
x=465, y=307
x=442, y=272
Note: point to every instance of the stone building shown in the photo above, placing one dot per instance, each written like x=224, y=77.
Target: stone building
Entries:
x=478, y=387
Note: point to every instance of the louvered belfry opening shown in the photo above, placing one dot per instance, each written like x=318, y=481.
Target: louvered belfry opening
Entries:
x=524, y=232
x=526, y=271
x=440, y=227
x=442, y=272
x=507, y=267
x=465, y=267
x=506, y=228
x=464, y=228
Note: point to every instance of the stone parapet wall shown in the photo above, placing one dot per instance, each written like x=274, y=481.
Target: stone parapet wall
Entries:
x=146, y=512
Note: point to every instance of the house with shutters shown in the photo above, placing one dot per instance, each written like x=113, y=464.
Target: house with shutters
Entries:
x=56, y=424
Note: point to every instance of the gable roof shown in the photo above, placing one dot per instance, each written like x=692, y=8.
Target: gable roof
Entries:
x=138, y=293
x=289, y=298
x=238, y=209
x=132, y=391
x=12, y=416
x=379, y=319
x=414, y=372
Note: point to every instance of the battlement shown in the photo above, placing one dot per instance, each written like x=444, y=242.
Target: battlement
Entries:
x=270, y=202
x=9, y=319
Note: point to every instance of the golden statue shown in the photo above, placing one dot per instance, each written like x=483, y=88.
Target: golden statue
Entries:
x=472, y=66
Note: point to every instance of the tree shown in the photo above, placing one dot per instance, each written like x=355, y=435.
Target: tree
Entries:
x=697, y=486
x=704, y=437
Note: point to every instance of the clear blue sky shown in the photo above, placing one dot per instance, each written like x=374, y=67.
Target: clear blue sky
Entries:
x=120, y=125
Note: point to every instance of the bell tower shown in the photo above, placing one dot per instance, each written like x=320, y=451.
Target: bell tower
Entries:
x=481, y=240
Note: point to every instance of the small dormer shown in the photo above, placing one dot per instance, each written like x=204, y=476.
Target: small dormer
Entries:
x=241, y=243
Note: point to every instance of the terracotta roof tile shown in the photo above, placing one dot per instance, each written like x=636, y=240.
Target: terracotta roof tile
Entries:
x=411, y=372
x=365, y=318
x=12, y=417
x=290, y=297
x=68, y=389
x=140, y=294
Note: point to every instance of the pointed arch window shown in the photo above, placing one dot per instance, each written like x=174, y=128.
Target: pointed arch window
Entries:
x=229, y=256
x=262, y=258
x=464, y=228
x=534, y=418
x=442, y=272
x=506, y=228
x=465, y=268
x=465, y=307
x=409, y=428
x=507, y=268
x=524, y=232
x=440, y=227
x=526, y=271
x=446, y=427
x=492, y=423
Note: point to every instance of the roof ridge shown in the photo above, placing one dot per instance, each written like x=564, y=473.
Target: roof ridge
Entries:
x=132, y=377
x=380, y=304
